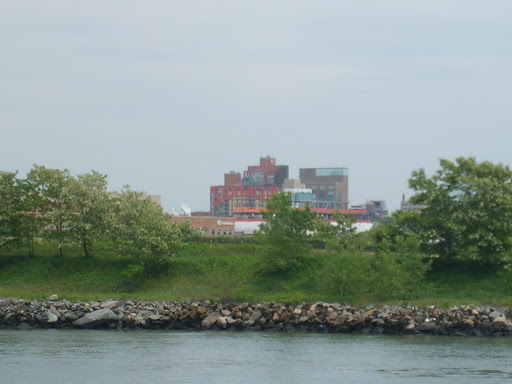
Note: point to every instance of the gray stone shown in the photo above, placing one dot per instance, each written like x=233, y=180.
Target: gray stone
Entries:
x=495, y=314
x=52, y=317
x=53, y=298
x=109, y=304
x=145, y=314
x=410, y=328
x=9, y=319
x=426, y=327
x=210, y=320
x=95, y=318
x=256, y=316
x=5, y=303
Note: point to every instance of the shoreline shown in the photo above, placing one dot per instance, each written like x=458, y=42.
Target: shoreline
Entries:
x=465, y=320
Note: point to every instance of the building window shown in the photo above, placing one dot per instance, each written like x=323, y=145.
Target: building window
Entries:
x=322, y=187
x=331, y=172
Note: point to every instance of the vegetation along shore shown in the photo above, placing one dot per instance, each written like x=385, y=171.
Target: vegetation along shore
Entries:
x=442, y=269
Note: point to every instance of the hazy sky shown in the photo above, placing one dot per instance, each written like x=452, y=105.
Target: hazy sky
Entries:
x=167, y=96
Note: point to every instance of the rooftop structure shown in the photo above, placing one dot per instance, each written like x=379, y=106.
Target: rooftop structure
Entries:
x=329, y=185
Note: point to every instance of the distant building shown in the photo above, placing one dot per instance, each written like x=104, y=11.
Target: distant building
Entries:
x=301, y=196
x=406, y=205
x=258, y=183
x=209, y=226
x=329, y=185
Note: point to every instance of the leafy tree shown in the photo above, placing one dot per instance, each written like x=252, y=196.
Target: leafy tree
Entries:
x=468, y=213
x=90, y=204
x=341, y=234
x=11, y=215
x=49, y=190
x=396, y=234
x=285, y=233
x=142, y=230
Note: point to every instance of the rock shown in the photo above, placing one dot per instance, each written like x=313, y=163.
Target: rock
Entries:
x=426, y=327
x=95, y=318
x=145, y=314
x=495, y=314
x=9, y=319
x=4, y=302
x=222, y=322
x=52, y=317
x=109, y=304
x=499, y=321
x=256, y=316
x=210, y=320
x=410, y=328
x=53, y=298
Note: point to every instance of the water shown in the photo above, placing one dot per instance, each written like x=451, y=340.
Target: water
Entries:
x=86, y=356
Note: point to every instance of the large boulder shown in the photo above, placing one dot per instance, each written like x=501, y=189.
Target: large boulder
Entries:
x=210, y=320
x=95, y=318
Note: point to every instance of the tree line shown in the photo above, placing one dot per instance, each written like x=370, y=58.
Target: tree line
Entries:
x=466, y=215
x=69, y=210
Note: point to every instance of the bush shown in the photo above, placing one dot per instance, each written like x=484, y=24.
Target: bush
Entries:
x=381, y=276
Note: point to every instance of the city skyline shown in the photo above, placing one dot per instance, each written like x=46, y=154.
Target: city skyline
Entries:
x=167, y=96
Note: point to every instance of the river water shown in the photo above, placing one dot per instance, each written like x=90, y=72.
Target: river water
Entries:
x=88, y=356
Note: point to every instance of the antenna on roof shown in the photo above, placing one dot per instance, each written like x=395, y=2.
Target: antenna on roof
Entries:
x=186, y=209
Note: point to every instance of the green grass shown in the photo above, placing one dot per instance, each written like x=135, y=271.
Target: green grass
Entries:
x=232, y=272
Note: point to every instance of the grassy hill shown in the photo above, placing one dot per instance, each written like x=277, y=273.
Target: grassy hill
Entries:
x=233, y=272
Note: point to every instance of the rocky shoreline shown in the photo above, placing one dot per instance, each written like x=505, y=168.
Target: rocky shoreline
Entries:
x=318, y=317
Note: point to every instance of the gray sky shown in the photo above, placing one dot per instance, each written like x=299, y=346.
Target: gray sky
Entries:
x=167, y=96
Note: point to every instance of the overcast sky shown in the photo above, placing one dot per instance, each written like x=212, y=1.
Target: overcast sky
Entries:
x=167, y=96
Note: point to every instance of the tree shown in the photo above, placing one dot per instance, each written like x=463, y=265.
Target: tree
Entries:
x=341, y=234
x=142, y=230
x=11, y=215
x=49, y=190
x=468, y=213
x=285, y=233
x=90, y=204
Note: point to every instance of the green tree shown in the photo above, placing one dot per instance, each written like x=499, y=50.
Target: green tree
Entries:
x=49, y=190
x=91, y=205
x=11, y=215
x=340, y=234
x=285, y=233
x=142, y=230
x=468, y=213
x=396, y=234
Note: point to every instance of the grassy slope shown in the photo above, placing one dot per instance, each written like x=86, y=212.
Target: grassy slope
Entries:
x=228, y=272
